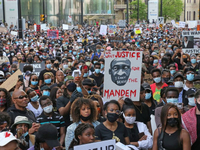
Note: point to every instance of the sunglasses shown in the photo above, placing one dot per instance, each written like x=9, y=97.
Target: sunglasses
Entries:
x=21, y=97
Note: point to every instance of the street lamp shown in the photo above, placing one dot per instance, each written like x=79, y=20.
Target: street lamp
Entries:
x=20, y=20
x=160, y=8
x=127, y=10
x=81, y=12
x=138, y=10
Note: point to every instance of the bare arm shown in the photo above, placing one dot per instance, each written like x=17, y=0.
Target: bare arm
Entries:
x=155, y=138
x=149, y=127
x=186, y=140
x=62, y=135
x=127, y=141
x=65, y=110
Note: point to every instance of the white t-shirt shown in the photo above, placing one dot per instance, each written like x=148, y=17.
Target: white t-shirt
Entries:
x=37, y=112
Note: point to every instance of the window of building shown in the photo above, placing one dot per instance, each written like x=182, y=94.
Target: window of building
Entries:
x=194, y=1
x=187, y=15
x=194, y=15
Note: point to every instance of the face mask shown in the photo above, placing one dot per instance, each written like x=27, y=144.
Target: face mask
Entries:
x=198, y=61
x=94, y=62
x=154, y=41
x=150, y=40
x=80, y=67
x=97, y=71
x=129, y=120
x=162, y=54
x=15, y=62
x=42, y=148
x=2, y=101
x=166, y=79
x=193, y=61
x=85, y=118
x=172, y=122
x=56, y=65
x=88, y=63
x=169, y=46
x=34, y=82
x=190, y=77
x=47, y=93
x=178, y=84
x=98, y=50
x=102, y=66
x=85, y=75
x=191, y=101
x=198, y=106
x=65, y=54
x=197, y=85
x=70, y=51
x=112, y=117
x=48, y=109
x=47, y=81
x=65, y=66
x=172, y=72
x=157, y=80
x=147, y=96
x=48, y=66
x=155, y=61
x=164, y=40
x=27, y=78
x=35, y=98
x=69, y=64
x=44, y=56
x=25, y=134
x=79, y=89
x=172, y=100
x=89, y=92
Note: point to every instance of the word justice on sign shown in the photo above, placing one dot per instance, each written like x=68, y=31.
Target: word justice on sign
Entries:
x=124, y=54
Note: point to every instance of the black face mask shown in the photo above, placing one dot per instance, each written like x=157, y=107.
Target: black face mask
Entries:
x=172, y=122
x=166, y=79
x=198, y=106
x=85, y=118
x=112, y=117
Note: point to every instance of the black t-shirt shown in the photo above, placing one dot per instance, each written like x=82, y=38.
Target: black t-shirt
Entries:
x=142, y=113
x=41, y=76
x=177, y=60
x=196, y=145
x=103, y=133
x=62, y=102
x=133, y=133
x=98, y=79
x=153, y=107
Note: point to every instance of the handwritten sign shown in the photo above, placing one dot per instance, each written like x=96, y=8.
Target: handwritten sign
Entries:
x=104, y=145
x=191, y=42
x=181, y=24
x=11, y=81
x=103, y=30
x=52, y=34
x=112, y=29
x=138, y=30
x=37, y=67
x=122, y=74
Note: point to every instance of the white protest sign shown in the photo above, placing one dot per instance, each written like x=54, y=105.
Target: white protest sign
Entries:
x=122, y=23
x=69, y=18
x=191, y=42
x=103, y=30
x=153, y=11
x=174, y=24
x=103, y=145
x=14, y=33
x=65, y=27
x=44, y=27
x=181, y=24
x=122, y=75
x=112, y=29
x=161, y=20
x=192, y=24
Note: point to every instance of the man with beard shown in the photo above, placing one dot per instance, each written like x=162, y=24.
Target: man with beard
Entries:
x=147, y=63
x=120, y=70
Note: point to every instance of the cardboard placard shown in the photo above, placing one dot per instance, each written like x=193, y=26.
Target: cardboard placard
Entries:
x=103, y=145
x=11, y=81
x=37, y=67
x=122, y=75
x=148, y=78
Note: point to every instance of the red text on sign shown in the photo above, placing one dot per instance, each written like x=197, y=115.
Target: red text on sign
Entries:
x=119, y=93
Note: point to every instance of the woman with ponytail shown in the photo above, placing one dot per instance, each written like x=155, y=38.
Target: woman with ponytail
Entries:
x=84, y=134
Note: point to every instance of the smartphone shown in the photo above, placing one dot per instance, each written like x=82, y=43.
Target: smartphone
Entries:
x=20, y=77
x=76, y=73
x=141, y=135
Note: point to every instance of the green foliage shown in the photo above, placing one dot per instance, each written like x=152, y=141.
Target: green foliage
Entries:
x=172, y=9
x=142, y=10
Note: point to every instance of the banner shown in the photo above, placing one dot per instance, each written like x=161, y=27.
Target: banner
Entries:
x=112, y=29
x=104, y=145
x=181, y=24
x=103, y=30
x=65, y=27
x=192, y=24
x=37, y=67
x=191, y=42
x=53, y=34
x=14, y=33
x=153, y=11
x=122, y=74
x=115, y=39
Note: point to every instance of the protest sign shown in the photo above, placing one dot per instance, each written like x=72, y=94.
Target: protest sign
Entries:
x=11, y=81
x=181, y=24
x=161, y=20
x=103, y=30
x=148, y=78
x=53, y=34
x=44, y=27
x=65, y=26
x=138, y=30
x=115, y=39
x=112, y=29
x=122, y=74
x=103, y=145
x=192, y=24
x=191, y=42
x=14, y=33
x=122, y=23
x=37, y=67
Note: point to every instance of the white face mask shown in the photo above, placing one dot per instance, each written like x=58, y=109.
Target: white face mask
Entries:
x=191, y=101
x=48, y=109
x=129, y=120
x=178, y=84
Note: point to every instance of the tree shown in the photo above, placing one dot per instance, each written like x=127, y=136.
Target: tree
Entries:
x=142, y=10
x=172, y=9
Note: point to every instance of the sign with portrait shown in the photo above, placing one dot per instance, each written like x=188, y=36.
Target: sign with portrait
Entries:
x=122, y=75
x=191, y=42
x=53, y=34
x=37, y=67
x=103, y=145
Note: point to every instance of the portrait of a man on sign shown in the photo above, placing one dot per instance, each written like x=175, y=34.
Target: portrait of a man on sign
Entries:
x=188, y=42
x=120, y=70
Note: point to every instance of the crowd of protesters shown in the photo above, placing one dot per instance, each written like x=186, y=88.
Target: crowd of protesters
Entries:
x=63, y=106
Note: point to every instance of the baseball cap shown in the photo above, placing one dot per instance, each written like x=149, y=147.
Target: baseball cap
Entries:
x=48, y=133
x=27, y=73
x=7, y=137
x=20, y=120
x=146, y=86
x=191, y=92
x=1, y=73
x=44, y=87
x=68, y=78
x=178, y=75
x=197, y=77
x=90, y=82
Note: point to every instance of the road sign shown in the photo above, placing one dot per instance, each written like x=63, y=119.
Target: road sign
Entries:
x=161, y=20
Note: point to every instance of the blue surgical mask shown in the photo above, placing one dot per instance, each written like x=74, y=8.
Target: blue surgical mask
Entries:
x=150, y=40
x=89, y=92
x=34, y=82
x=190, y=77
x=102, y=66
x=70, y=51
x=25, y=134
x=48, y=66
x=44, y=56
x=157, y=80
x=155, y=61
x=193, y=61
x=191, y=101
x=79, y=89
x=164, y=40
x=65, y=66
x=8, y=43
x=172, y=100
x=66, y=43
x=154, y=41
x=74, y=53
x=47, y=81
x=97, y=71
x=172, y=71
x=147, y=95
x=95, y=62
x=35, y=98
x=80, y=67
x=98, y=50
x=169, y=46
x=47, y=93
x=85, y=75
x=65, y=54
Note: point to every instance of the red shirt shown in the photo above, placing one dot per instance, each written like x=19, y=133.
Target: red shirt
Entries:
x=156, y=91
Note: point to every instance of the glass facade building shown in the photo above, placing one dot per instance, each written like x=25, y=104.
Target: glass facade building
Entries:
x=57, y=11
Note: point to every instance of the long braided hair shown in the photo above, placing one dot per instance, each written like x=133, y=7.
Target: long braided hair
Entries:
x=79, y=131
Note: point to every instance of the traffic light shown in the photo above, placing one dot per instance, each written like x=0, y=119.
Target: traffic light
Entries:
x=42, y=17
